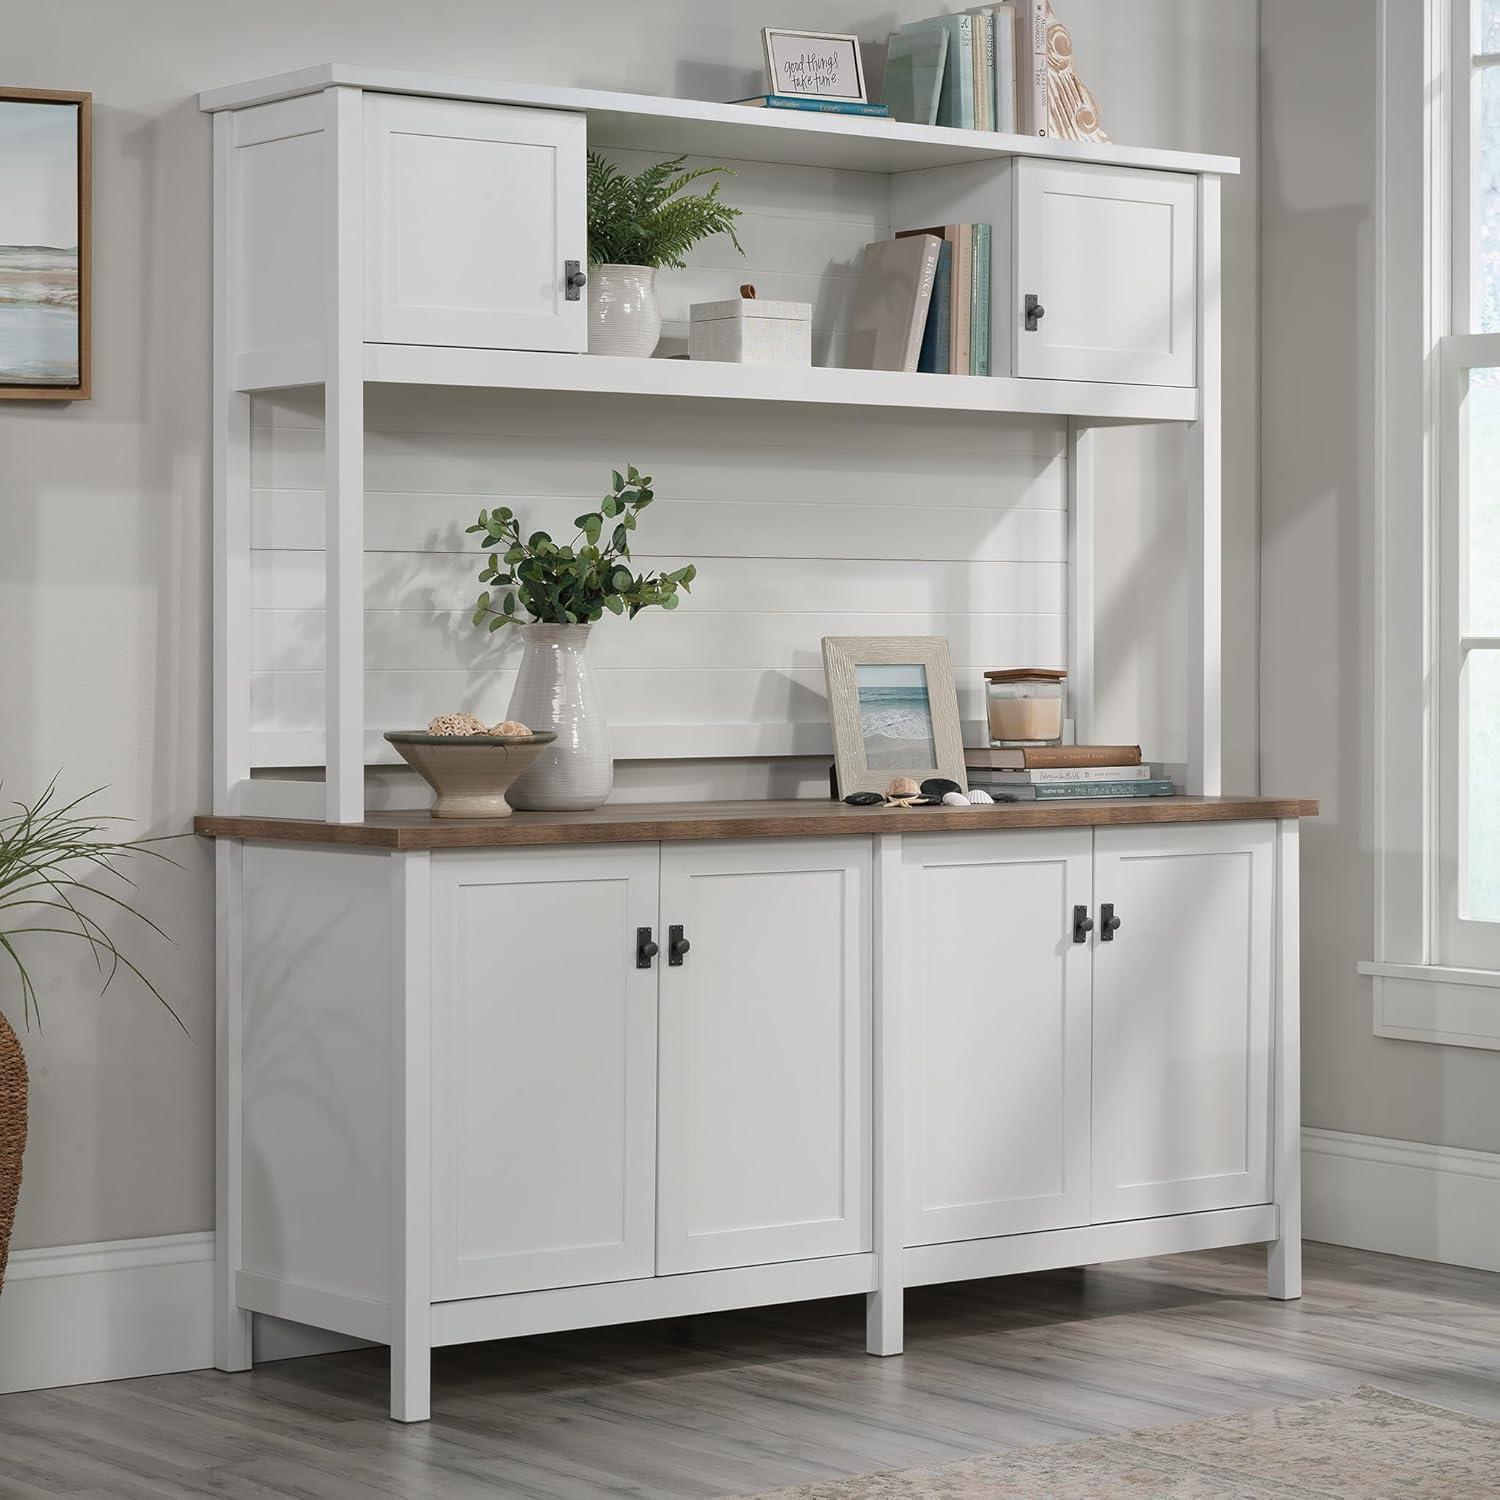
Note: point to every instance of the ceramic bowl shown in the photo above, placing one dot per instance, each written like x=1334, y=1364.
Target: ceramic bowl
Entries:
x=470, y=773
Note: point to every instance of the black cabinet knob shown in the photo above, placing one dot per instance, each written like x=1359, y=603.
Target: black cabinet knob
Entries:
x=1083, y=924
x=1035, y=312
x=573, y=279
x=645, y=949
x=677, y=947
x=1109, y=923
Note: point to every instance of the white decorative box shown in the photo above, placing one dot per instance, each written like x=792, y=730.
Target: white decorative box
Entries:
x=747, y=331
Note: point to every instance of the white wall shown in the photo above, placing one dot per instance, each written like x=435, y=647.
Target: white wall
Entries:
x=1322, y=450
x=104, y=507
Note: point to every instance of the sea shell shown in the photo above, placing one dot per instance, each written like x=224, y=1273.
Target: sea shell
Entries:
x=510, y=728
x=980, y=798
x=955, y=799
x=903, y=786
x=456, y=724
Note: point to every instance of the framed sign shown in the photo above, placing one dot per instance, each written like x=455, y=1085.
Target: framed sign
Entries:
x=814, y=65
x=894, y=710
x=44, y=244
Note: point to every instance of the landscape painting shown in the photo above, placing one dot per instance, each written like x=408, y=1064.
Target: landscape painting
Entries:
x=44, y=265
x=895, y=715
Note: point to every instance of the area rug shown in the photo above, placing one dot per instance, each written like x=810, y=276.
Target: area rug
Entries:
x=1362, y=1447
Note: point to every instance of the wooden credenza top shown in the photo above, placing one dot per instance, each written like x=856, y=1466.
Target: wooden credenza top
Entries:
x=652, y=822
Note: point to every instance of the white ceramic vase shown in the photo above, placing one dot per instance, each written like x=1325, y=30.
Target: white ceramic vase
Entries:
x=555, y=691
x=623, y=314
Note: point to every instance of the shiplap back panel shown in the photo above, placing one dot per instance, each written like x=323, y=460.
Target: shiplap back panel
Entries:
x=803, y=523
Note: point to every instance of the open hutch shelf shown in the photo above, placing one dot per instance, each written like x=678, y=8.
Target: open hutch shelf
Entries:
x=377, y=228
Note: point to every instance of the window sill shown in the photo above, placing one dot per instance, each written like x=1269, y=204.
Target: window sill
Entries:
x=1432, y=1003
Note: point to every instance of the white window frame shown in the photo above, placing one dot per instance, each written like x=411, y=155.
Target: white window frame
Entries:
x=1437, y=978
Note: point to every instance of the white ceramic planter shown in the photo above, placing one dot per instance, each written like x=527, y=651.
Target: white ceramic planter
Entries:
x=555, y=691
x=624, y=317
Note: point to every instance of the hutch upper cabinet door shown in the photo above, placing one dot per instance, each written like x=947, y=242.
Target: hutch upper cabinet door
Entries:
x=543, y=1069
x=764, y=1129
x=1105, y=274
x=997, y=1033
x=1182, y=1019
x=471, y=212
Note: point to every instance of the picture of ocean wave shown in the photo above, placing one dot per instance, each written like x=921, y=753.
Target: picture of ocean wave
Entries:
x=895, y=716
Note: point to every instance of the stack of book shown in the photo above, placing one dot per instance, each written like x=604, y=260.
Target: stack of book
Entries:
x=981, y=69
x=1052, y=773
x=817, y=106
x=956, y=339
x=923, y=303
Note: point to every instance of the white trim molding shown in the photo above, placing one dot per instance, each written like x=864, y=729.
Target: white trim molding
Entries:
x=1437, y=1203
x=121, y=1309
x=1435, y=1003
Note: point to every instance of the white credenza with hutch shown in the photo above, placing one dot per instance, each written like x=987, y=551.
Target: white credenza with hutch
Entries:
x=480, y=1081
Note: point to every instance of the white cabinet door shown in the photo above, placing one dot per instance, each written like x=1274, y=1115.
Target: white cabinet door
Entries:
x=471, y=211
x=996, y=994
x=1110, y=254
x=544, y=1069
x=1182, y=1019
x=764, y=1131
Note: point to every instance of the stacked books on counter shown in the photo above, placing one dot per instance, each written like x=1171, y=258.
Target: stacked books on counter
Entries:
x=980, y=69
x=923, y=303
x=817, y=106
x=1052, y=773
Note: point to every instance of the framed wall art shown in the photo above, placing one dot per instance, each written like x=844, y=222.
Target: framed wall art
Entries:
x=45, y=164
x=894, y=710
x=814, y=65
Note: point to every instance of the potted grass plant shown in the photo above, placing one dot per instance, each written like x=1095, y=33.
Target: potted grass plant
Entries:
x=61, y=875
x=636, y=225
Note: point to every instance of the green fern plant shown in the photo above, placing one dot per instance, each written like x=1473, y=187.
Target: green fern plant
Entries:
x=648, y=220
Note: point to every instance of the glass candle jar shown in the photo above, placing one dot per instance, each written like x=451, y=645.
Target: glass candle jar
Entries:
x=1025, y=705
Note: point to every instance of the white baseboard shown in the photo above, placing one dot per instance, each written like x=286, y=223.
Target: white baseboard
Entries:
x=125, y=1308
x=1438, y=1203
x=113, y=1311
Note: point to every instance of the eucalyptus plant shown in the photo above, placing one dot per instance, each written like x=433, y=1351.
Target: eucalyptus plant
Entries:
x=56, y=861
x=573, y=583
x=648, y=220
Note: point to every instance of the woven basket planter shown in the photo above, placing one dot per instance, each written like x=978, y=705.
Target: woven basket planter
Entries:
x=12, y=1132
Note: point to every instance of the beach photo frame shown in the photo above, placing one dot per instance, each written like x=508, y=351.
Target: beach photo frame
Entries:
x=894, y=710
x=45, y=270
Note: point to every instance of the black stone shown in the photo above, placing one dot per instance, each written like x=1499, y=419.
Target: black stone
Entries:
x=863, y=799
x=939, y=786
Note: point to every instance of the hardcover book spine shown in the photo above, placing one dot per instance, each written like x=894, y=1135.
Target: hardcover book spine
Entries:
x=923, y=305
x=1004, y=18
x=827, y=106
x=984, y=776
x=984, y=72
x=1032, y=69
x=979, y=337
x=933, y=359
x=963, y=285
x=1054, y=791
x=963, y=75
x=1081, y=755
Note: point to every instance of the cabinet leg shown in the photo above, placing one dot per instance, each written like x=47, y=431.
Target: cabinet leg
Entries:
x=233, y=1348
x=884, y=1322
x=411, y=1382
x=1284, y=1269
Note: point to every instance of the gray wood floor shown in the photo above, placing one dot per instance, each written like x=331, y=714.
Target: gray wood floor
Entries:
x=735, y=1403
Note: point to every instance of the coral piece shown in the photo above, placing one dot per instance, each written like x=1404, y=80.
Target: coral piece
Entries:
x=980, y=798
x=510, y=728
x=1072, y=110
x=457, y=724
